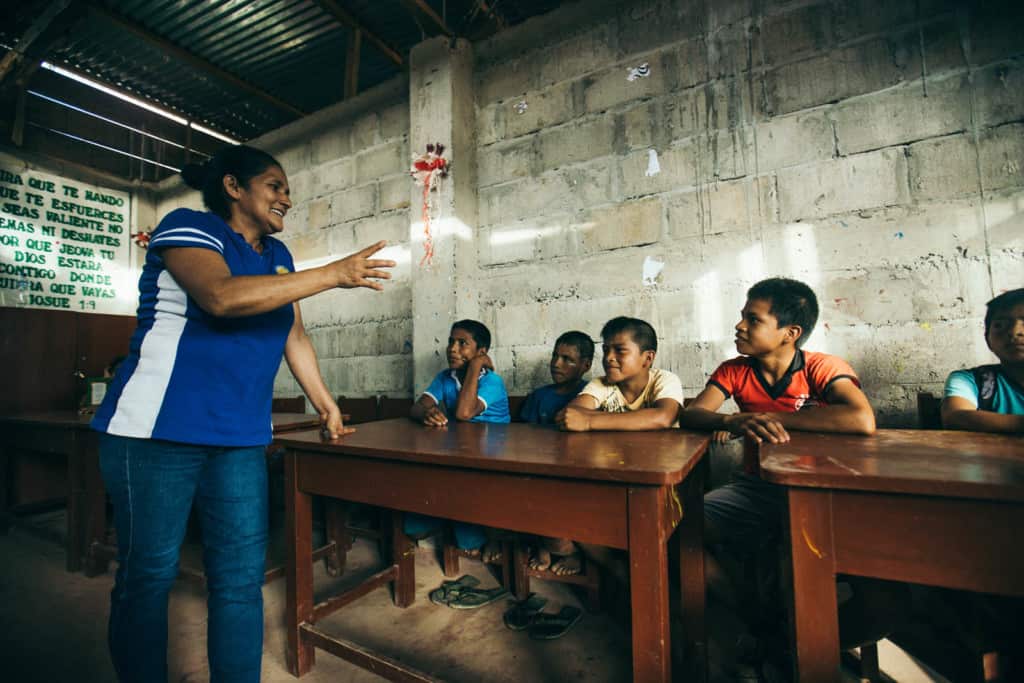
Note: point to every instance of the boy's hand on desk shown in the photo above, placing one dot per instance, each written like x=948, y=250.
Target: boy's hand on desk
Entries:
x=572, y=419
x=758, y=426
x=435, y=417
x=331, y=424
x=720, y=436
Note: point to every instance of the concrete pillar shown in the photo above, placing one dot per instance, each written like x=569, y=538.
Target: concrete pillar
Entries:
x=441, y=109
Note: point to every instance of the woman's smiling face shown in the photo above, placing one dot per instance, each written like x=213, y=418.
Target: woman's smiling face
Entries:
x=265, y=201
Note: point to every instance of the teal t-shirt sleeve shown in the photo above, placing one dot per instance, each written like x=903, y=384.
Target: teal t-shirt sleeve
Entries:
x=491, y=390
x=962, y=385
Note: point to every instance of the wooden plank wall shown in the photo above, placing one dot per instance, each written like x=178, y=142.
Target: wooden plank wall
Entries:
x=40, y=351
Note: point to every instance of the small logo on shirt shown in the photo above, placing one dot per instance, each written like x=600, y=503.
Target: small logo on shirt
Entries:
x=804, y=401
x=281, y=270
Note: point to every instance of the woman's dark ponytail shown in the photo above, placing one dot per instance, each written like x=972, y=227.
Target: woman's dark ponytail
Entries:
x=240, y=161
x=194, y=175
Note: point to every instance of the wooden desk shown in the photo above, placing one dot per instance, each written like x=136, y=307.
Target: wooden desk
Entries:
x=67, y=433
x=616, y=489
x=60, y=433
x=941, y=508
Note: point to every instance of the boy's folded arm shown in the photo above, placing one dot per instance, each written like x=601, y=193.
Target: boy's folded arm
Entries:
x=661, y=416
x=848, y=412
x=703, y=413
x=960, y=413
x=469, y=404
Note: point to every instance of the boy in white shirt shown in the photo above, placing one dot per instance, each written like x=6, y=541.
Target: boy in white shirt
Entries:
x=632, y=395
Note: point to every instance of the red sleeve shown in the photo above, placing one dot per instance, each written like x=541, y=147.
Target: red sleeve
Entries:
x=725, y=376
x=823, y=370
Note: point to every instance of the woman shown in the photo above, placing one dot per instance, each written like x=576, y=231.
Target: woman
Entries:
x=188, y=414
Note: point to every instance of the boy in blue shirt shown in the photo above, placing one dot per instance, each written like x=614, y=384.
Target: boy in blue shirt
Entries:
x=990, y=398
x=471, y=391
x=570, y=360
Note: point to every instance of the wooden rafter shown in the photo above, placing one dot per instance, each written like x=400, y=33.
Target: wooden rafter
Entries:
x=41, y=23
x=193, y=60
x=342, y=15
x=352, y=63
x=422, y=6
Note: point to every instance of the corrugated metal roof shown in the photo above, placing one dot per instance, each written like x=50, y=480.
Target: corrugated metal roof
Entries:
x=295, y=50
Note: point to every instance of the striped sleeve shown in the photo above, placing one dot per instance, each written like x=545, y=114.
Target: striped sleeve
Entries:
x=187, y=228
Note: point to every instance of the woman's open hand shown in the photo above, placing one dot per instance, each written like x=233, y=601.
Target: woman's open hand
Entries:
x=359, y=270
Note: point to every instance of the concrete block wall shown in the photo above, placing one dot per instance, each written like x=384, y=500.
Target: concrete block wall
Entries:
x=872, y=148
x=348, y=171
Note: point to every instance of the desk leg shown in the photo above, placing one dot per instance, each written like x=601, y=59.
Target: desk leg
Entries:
x=336, y=528
x=300, y=655
x=96, y=559
x=815, y=614
x=403, y=555
x=691, y=575
x=648, y=583
x=76, y=517
x=5, y=483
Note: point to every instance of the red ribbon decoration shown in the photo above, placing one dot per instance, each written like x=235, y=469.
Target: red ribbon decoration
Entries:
x=425, y=168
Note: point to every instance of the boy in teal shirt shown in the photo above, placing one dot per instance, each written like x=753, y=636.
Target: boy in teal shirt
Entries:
x=469, y=390
x=990, y=398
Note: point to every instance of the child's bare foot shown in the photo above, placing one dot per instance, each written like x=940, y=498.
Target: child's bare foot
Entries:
x=491, y=552
x=472, y=553
x=567, y=565
x=540, y=559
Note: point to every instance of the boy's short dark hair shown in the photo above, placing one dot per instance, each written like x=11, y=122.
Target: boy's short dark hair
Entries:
x=641, y=331
x=481, y=335
x=793, y=303
x=1003, y=302
x=583, y=343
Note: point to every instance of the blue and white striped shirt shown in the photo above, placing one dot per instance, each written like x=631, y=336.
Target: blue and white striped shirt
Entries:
x=192, y=377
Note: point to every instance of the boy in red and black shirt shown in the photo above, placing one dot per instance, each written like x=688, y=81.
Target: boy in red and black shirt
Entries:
x=778, y=387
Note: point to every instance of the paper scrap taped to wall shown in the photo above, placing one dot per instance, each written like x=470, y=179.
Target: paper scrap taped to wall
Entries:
x=652, y=269
x=64, y=244
x=642, y=71
x=653, y=167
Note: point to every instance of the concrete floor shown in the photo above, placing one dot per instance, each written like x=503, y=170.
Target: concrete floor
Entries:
x=54, y=629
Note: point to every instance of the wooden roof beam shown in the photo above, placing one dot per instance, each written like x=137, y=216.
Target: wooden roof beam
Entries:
x=352, y=63
x=192, y=60
x=426, y=9
x=41, y=23
x=342, y=15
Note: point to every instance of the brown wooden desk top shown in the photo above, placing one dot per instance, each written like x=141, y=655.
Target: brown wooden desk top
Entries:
x=652, y=458
x=941, y=463
x=287, y=422
x=54, y=418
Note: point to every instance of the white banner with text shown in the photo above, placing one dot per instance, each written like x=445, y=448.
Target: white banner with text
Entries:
x=64, y=244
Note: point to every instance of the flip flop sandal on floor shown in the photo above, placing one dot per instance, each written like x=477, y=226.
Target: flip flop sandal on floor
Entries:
x=449, y=590
x=471, y=598
x=519, y=616
x=551, y=626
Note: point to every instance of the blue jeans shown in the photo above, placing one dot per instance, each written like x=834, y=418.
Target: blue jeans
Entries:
x=152, y=485
x=744, y=514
